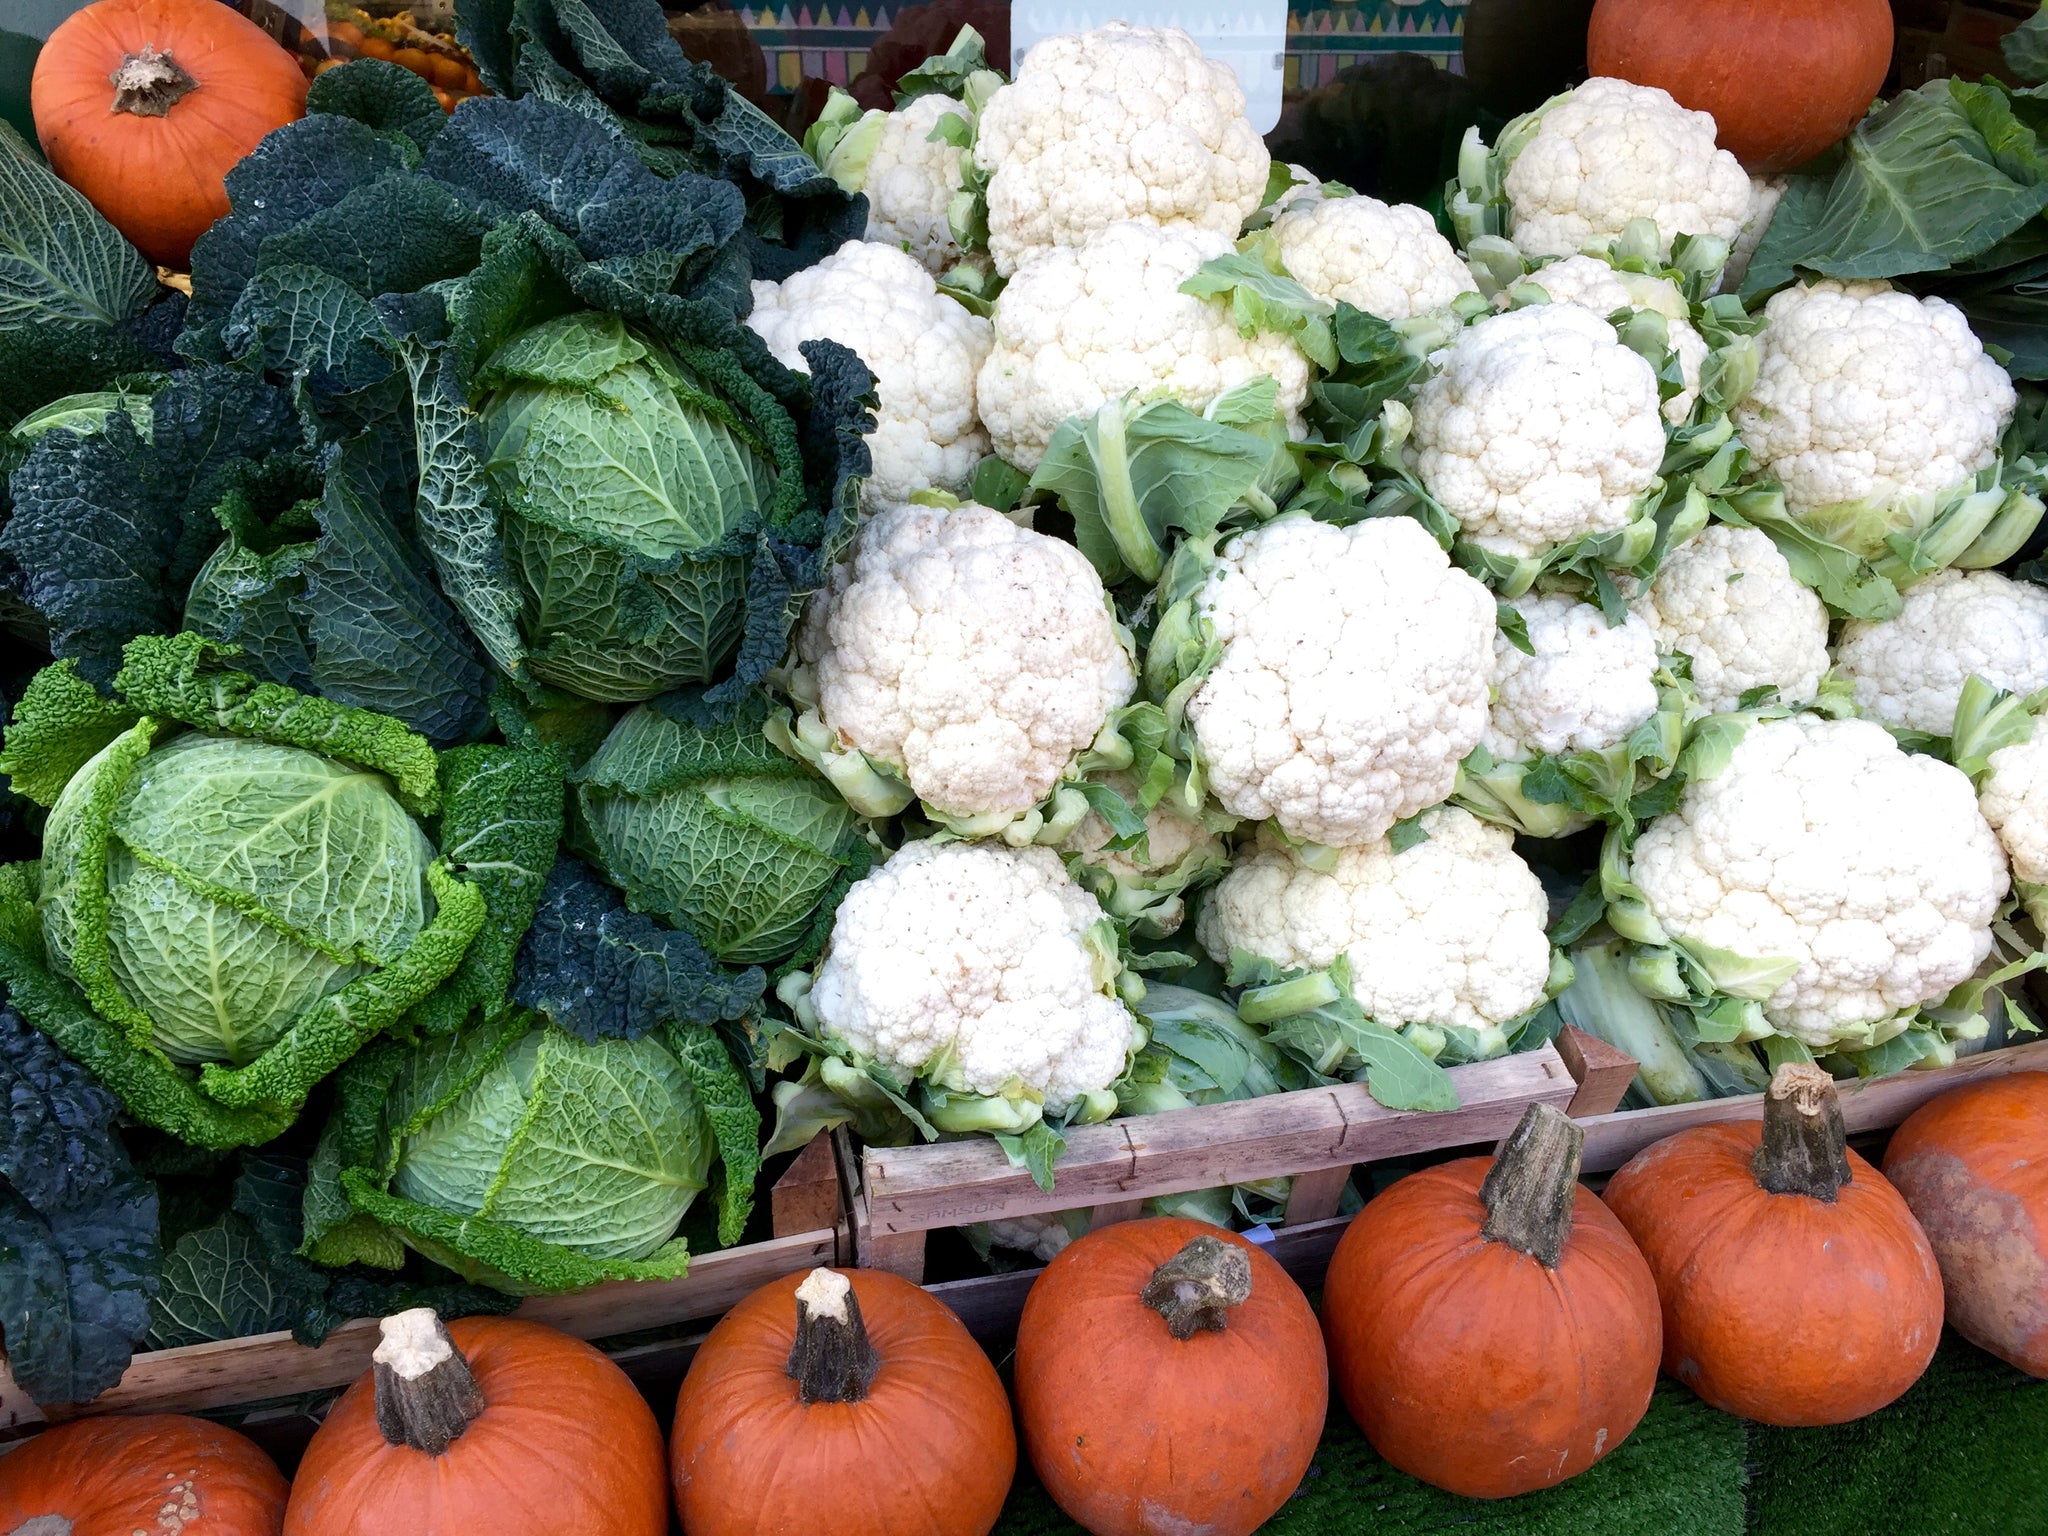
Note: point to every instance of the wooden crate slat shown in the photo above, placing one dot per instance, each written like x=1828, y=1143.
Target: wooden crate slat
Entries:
x=806, y=1197
x=716, y=1282
x=1602, y=1071
x=949, y=1184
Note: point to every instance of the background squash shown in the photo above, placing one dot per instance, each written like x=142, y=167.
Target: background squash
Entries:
x=1492, y=1328
x=145, y=105
x=1973, y=1165
x=116, y=1476
x=1797, y=1287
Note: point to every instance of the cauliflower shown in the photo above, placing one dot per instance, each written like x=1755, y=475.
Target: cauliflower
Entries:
x=1353, y=675
x=1044, y=1238
x=1870, y=396
x=1387, y=261
x=975, y=657
x=1824, y=844
x=1608, y=152
x=1909, y=670
x=1171, y=839
x=911, y=177
x=1083, y=326
x=1592, y=284
x=923, y=348
x=1119, y=123
x=1449, y=932
x=1727, y=599
x=976, y=959
x=1765, y=193
x=1538, y=428
x=2014, y=799
x=1588, y=685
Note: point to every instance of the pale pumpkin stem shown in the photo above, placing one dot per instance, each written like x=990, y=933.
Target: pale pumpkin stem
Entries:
x=1806, y=1145
x=832, y=1360
x=1528, y=1192
x=1196, y=1288
x=43, y=1525
x=150, y=83
x=426, y=1396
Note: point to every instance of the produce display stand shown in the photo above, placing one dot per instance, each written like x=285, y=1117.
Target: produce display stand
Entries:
x=808, y=1228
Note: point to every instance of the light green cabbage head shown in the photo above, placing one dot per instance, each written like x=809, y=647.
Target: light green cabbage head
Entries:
x=244, y=881
x=597, y=1146
x=632, y=494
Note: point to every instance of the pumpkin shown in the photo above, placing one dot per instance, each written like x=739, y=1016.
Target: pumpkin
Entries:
x=1170, y=1378
x=844, y=1401
x=160, y=1472
x=1492, y=1328
x=1973, y=1165
x=487, y=1424
x=145, y=105
x=1783, y=79
x=1797, y=1288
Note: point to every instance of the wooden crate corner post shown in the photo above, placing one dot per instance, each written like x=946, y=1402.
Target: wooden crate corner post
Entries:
x=1603, y=1072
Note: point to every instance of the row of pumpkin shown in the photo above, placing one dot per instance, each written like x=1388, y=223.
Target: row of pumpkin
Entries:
x=1492, y=1325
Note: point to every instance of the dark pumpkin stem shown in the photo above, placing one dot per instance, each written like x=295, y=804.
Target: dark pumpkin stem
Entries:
x=1196, y=1288
x=426, y=1396
x=149, y=84
x=1806, y=1146
x=832, y=1360
x=1528, y=1192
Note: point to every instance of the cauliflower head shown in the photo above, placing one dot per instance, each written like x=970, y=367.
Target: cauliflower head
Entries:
x=1610, y=152
x=911, y=177
x=1386, y=260
x=1172, y=841
x=1869, y=396
x=1591, y=283
x=1044, y=1238
x=1588, y=685
x=2014, y=799
x=923, y=348
x=1082, y=326
x=1825, y=843
x=974, y=656
x=1119, y=123
x=1765, y=193
x=1538, y=428
x=1728, y=599
x=1909, y=670
x=980, y=955
x=1353, y=676
x=1448, y=932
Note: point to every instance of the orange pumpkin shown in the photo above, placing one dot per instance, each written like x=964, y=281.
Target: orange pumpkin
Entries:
x=1170, y=1378
x=1492, y=1328
x=1783, y=79
x=847, y=1401
x=1973, y=1165
x=145, y=105
x=1797, y=1288
x=117, y=1476
x=488, y=1424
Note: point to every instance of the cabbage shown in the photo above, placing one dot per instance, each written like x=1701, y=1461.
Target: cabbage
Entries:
x=632, y=495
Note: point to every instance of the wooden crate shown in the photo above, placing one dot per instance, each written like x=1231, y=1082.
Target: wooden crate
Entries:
x=809, y=1229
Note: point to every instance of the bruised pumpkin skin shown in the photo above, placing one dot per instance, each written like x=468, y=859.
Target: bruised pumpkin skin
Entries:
x=1137, y=1433
x=159, y=178
x=1973, y=1165
x=155, y=1475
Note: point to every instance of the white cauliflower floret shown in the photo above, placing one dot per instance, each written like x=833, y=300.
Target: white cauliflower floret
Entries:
x=974, y=656
x=1868, y=395
x=1539, y=426
x=923, y=348
x=1591, y=283
x=1387, y=261
x=1080, y=327
x=1589, y=684
x=1353, y=677
x=1909, y=670
x=977, y=952
x=1045, y=1238
x=1823, y=842
x=1611, y=152
x=1765, y=193
x=1119, y=123
x=1727, y=599
x=910, y=179
x=1448, y=932
x=2014, y=799
x=1170, y=838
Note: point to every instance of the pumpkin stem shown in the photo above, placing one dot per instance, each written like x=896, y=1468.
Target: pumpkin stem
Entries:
x=1528, y=1192
x=1196, y=1288
x=832, y=1360
x=150, y=83
x=1806, y=1146
x=43, y=1525
x=426, y=1396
